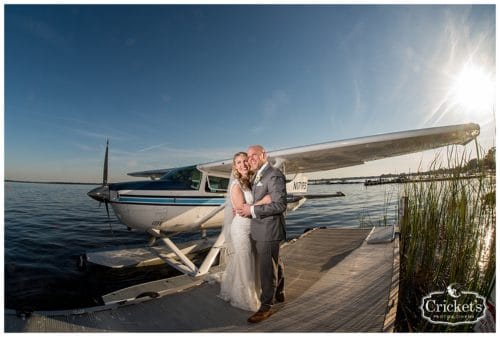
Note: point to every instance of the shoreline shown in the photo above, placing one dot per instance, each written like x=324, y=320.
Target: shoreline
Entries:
x=381, y=179
x=48, y=182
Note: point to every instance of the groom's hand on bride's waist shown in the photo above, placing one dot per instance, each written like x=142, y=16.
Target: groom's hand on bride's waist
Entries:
x=244, y=211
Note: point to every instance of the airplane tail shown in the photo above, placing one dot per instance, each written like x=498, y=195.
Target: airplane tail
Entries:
x=298, y=185
x=296, y=189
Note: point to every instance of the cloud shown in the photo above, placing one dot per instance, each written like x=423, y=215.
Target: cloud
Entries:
x=152, y=147
x=132, y=164
x=76, y=126
x=85, y=147
x=271, y=107
x=130, y=42
x=38, y=28
x=163, y=156
x=166, y=98
x=91, y=134
x=278, y=99
x=359, y=109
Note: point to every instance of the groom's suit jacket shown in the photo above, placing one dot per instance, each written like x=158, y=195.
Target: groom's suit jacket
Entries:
x=269, y=224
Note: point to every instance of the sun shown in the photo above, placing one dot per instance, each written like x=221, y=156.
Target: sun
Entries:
x=474, y=88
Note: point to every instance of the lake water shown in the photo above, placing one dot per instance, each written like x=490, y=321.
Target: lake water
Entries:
x=49, y=226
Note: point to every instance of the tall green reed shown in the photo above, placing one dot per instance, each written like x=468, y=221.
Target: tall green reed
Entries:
x=389, y=213
x=448, y=237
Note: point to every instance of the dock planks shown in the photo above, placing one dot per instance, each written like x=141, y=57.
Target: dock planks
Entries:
x=335, y=281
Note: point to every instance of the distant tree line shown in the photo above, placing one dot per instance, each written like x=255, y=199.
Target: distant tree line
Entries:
x=488, y=162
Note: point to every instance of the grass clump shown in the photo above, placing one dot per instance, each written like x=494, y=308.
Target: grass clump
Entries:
x=448, y=236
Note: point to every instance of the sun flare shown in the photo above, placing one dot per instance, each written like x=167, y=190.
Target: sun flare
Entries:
x=474, y=88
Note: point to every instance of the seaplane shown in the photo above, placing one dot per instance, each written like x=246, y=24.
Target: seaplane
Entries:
x=193, y=198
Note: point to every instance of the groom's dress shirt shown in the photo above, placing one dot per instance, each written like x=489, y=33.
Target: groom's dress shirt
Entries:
x=257, y=178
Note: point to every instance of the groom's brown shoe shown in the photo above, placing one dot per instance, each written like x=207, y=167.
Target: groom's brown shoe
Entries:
x=259, y=316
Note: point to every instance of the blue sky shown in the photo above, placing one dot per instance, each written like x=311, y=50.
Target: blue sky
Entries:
x=173, y=85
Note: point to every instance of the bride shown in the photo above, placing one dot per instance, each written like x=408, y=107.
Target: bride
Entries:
x=238, y=283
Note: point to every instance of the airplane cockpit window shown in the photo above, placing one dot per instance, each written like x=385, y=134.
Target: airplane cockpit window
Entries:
x=184, y=178
x=217, y=184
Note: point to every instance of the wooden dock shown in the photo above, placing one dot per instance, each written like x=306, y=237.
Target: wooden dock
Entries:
x=337, y=280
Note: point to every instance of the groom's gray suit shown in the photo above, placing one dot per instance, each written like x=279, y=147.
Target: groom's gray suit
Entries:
x=267, y=231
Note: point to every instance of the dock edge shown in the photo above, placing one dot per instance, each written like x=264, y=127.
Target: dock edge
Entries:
x=392, y=306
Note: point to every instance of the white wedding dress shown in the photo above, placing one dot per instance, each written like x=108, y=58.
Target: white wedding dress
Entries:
x=238, y=283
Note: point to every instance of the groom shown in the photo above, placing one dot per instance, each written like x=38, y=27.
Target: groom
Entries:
x=267, y=229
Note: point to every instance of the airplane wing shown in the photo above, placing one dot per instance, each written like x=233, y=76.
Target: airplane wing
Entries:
x=356, y=151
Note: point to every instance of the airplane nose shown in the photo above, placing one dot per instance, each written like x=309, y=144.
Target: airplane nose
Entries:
x=100, y=193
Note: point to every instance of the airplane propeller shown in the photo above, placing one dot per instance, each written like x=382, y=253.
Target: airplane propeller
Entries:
x=101, y=193
x=105, y=169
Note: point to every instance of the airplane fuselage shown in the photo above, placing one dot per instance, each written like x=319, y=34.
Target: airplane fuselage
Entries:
x=177, y=201
x=166, y=211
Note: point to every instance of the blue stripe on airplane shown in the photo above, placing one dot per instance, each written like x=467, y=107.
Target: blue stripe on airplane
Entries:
x=174, y=201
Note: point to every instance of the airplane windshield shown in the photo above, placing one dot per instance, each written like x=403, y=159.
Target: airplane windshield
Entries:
x=184, y=177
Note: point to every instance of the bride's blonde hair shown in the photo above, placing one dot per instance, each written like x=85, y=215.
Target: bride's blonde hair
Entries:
x=244, y=181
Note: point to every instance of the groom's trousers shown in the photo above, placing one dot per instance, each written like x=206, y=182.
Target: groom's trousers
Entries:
x=271, y=271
